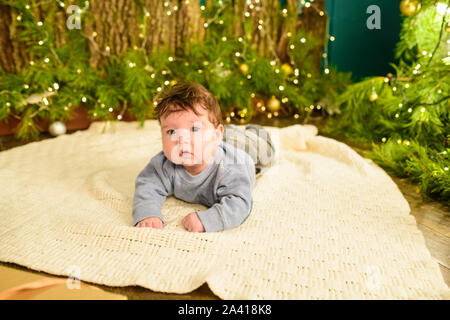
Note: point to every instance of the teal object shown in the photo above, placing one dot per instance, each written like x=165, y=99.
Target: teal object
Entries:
x=356, y=48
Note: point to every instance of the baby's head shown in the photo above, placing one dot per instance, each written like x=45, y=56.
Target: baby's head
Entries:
x=191, y=125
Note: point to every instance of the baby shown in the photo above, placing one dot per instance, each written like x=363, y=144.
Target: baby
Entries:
x=196, y=165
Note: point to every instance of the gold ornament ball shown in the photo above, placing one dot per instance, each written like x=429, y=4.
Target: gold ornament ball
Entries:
x=273, y=104
x=286, y=68
x=244, y=68
x=409, y=7
x=373, y=97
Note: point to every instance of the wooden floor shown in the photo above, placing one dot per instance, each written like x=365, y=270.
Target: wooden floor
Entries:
x=433, y=219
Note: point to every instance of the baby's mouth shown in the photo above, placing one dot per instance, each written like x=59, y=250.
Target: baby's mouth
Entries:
x=182, y=153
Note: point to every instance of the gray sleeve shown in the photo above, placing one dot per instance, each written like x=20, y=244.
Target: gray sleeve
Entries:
x=153, y=185
x=235, y=194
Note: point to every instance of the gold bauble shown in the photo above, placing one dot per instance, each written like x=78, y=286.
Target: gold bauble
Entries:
x=373, y=96
x=409, y=7
x=273, y=104
x=286, y=68
x=244, y=68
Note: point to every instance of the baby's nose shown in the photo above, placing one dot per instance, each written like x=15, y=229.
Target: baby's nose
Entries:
x=184, y=138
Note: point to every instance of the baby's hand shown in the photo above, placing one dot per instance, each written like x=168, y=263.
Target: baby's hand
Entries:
x=152, y=222
x=192, y=223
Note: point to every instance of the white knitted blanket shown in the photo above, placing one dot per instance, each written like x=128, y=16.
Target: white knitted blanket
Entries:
x=326, y=223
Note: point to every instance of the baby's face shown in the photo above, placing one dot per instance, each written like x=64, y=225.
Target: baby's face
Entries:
x=188, y=139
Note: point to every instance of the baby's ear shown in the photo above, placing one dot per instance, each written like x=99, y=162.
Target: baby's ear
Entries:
x=219, y=131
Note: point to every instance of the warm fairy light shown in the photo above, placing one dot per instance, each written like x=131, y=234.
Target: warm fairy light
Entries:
x=409, y=110
x=296, y=116
x=332, y=38
x=281, y=88
x=170, y=59
x=307, y=4
x=397, y=115
x=110, y=109
x=272, y=63
x=39, y=23
x=83, y=99
x=422, y=109
x=327, y=71
x=45, y=101
x=46, y=60
x=302, y=40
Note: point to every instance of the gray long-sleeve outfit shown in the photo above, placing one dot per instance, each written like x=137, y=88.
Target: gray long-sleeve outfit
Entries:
x=225, y=185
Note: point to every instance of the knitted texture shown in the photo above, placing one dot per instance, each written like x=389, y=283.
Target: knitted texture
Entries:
x=326, y=223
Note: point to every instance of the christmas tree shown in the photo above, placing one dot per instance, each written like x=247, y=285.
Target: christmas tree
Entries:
x=254, y=56
x=406, y=115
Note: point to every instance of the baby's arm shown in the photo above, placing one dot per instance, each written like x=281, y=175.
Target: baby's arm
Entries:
x=153, y=185
x=235, y=205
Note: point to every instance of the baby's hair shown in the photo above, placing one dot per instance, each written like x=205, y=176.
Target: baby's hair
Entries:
x=184, y=96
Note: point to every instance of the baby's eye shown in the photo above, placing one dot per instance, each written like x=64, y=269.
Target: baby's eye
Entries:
x=171, y=131
x=195, y=129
